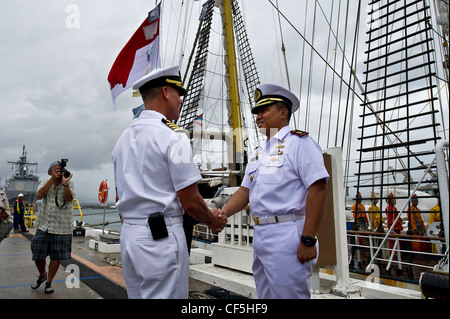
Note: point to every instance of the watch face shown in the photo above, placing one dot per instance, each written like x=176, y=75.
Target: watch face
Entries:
x=308, y=241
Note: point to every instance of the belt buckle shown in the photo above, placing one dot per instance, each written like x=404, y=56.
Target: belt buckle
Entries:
x=256, y=220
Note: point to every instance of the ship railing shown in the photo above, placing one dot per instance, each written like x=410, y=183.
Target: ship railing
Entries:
x=77, y=208
x=239, y=230
x=396, y=250
x=103, y=224
x=443, y=178
x=203, y=233
x=98, y=224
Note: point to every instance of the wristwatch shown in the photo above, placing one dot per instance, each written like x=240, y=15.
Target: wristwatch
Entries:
x=308, y=240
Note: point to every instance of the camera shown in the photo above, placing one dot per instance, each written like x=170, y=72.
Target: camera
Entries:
x=64, y=171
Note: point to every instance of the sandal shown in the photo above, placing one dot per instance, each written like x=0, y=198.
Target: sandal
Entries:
x=38, y=282
x=48, y=288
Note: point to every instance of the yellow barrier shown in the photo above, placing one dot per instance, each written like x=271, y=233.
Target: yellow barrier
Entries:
x=29, y=220
x=29, y=216
x=76, y=205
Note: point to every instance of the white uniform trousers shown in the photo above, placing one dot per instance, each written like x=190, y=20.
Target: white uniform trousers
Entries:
x=277, y=271
x=155, y=269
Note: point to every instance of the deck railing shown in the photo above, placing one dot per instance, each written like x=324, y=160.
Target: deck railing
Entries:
x=394, y=251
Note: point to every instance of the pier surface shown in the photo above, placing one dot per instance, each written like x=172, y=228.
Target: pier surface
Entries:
x=85, y=276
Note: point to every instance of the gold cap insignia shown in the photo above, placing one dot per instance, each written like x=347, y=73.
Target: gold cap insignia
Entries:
x=258, y=94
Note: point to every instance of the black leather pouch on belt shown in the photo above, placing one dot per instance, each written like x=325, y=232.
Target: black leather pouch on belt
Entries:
x=157, y=226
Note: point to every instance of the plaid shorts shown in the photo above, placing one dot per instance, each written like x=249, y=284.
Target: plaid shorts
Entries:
x=58, y=247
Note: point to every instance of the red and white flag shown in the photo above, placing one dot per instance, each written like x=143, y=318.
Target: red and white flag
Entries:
x=138, y=57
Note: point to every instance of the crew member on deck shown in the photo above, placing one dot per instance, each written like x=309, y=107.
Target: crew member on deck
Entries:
x=361, y=221
x=19, y=214
x=391, y=212
x=285, y=184
x=376, y=220
x=435, y=215
x=416, y=225
x=156, y=181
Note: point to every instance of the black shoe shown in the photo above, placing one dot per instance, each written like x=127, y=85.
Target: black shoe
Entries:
x=38, y=282
x=48, y=288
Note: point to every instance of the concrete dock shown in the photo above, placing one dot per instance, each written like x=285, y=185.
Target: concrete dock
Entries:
x=85, y=276
x=89, y=274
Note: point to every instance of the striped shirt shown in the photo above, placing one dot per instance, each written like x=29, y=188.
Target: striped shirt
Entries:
x=54, y=219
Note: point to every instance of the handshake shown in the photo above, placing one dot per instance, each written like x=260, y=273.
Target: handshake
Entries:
x=217, y=221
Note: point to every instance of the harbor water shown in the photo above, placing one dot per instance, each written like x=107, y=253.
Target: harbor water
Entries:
x=94, y=216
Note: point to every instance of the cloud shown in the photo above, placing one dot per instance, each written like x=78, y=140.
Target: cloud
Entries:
x=55, y=98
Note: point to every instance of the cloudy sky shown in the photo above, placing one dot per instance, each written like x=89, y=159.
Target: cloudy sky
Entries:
x=55, y=58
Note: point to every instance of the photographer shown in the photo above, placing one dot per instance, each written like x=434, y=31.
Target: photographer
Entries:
x=54, y=223
x=18, y=210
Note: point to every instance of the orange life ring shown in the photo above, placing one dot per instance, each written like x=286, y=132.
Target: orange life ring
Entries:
x=103, y=192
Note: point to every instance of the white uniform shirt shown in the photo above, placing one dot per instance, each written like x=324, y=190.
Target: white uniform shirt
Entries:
x=151, y=163
x=279, y=173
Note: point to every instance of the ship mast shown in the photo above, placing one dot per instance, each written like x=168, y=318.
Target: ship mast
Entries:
x=235, y=110
x=235, y=42
x=23, y=168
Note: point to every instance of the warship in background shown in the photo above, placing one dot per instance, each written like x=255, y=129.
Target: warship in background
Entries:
x=25, y=180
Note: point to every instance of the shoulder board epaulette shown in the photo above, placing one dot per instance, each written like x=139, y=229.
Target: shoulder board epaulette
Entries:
x=299, y=133
x=173, y=126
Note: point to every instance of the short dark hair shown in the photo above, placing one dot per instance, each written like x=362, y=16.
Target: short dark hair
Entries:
x=281, y=105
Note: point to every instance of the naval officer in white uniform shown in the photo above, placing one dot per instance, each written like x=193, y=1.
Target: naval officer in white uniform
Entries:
x=285, y=184
x=156, y=181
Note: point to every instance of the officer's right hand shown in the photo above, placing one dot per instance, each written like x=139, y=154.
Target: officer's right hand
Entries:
x=219, y=221
x=306, y=254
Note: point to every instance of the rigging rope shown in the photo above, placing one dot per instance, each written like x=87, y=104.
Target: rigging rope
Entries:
x=334, y=65
x=353, y=73
x=309, y=44
x=326, y=69
x=342, y=71
x=303, y=57
x=283, y=49
x=308, y=96
x=178, y=32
